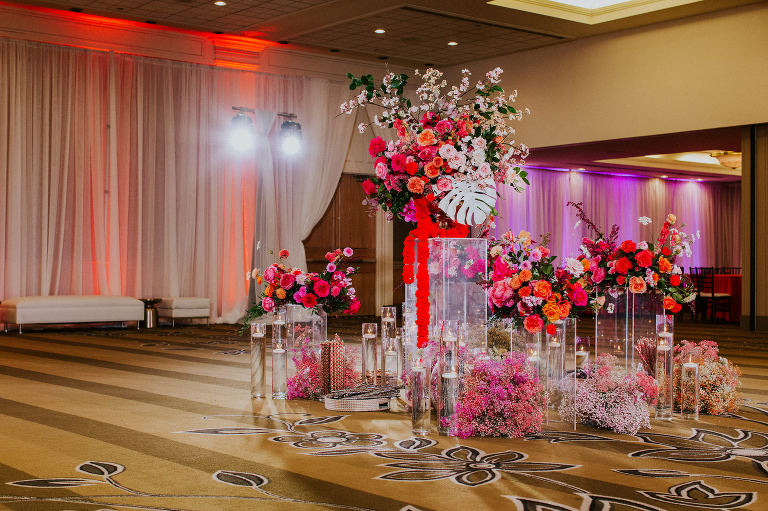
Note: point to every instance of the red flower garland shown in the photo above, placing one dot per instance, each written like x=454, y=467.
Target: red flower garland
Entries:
x=425, y=229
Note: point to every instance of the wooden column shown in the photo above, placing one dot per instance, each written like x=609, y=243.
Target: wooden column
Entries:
x=754, y=227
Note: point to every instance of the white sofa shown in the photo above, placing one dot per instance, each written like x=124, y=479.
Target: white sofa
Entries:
x=70, y=309
x=184, y=307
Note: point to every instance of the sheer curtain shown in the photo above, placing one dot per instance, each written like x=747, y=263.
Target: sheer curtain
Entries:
x=116, y=176
x=711, y=208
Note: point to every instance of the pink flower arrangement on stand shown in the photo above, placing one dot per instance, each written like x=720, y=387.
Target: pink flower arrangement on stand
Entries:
x=331, y=289
x=719, y=377
x=608, y=398
x=307, y=382
x=499, y=398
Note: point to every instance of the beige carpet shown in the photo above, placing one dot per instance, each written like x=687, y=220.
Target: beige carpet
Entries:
x=97, y=419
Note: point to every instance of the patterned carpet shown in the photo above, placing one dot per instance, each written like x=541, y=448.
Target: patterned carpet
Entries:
x=113, y=419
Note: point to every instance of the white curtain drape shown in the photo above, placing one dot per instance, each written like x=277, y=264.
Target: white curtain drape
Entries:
x=116, y=176
x=711, y=208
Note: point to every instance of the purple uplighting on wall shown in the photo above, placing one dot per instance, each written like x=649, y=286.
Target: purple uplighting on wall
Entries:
x=710, y=208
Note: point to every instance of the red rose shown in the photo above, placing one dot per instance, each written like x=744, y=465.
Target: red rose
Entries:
x=369, y=188
x=621, y=279
x=321, y=288
x=551, y=329
x=627, y=246
x=623, y=265
x=533, y=323
x=666, y=251
x=309, y=300
x=674, y=280
x=411, y=167
x=376, y=146
x=676, y=308
x=644, y=258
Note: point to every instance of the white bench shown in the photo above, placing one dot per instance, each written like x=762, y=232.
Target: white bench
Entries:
x=184, y=307
x=27, y=310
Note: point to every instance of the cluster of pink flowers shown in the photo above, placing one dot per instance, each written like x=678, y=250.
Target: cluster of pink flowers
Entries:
x=499, y=398
x=330, y=289
x=719, y=378
x=458, y=260
x=307, y=382
x=609, y=399
x=451, y=137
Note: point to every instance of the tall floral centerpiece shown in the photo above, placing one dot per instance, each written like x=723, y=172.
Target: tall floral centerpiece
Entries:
x=453, y=147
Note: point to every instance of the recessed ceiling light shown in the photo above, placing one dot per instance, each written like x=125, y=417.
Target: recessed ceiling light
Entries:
x=699, y=179
x=220, y=3
x=452, y=43
x=664, y=176
x=379, y=30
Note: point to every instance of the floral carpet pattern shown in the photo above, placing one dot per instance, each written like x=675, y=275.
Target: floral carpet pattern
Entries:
x=161, y=420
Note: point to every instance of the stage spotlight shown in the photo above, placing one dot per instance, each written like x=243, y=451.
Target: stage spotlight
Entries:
x=290, y=135
x=241, y=135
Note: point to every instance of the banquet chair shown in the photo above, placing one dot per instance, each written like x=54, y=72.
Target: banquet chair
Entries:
x=708, y=302
x=729, y=270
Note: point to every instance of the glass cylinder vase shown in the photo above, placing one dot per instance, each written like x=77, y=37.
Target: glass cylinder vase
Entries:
x=665, y=342
x=689, y=389
x=369, y=372
x=279, y=355
x=420, y=387
x=389, y=345
x=449, y=367
x=258, y=359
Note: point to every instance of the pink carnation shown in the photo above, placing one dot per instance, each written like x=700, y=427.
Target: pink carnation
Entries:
x=348, y=252
x=398, y=163
x=268, y=304
x=376, y=146
x=331, y=267
x=287, y=280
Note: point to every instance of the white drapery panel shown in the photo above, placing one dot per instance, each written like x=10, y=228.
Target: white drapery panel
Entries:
x=116, y=176
x=711, y=208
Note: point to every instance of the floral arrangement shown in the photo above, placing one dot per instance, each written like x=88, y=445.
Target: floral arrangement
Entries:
x=607, y=398
x=499, y=398
x=719, y=378
x=452, y=148
x=645, y=266
x=330, y=290
x=524, y=285
x=307, y=382
x=646, y=351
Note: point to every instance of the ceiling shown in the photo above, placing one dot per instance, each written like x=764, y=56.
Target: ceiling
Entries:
x=417, y=32
x=675, y=156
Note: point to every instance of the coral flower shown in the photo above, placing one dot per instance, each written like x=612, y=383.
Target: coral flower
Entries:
x=669, y=303
x=427, y=137
x=431, y=170
x=415, y=185
x=664, y=265
x=637, y=285
x=542, y=289
x=552, y=311
x=284, y=254
x=565, y=309
x=644, y=258
x=674, y=280
x=585, y=264
x=269, y=290
x=280, y=293
x=533, y=323
x=525, y=275
x=627, y=246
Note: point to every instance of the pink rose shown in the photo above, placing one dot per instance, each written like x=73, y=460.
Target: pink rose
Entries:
x=398, y=162
x=270, y=274
x=381, y=170
x=544, y=251
x=353, y=307
x=535, y=255
x=501, y=270
x=500, y=293
x=444, y=126
x=598, y=275
x=348, y=252
x=579, y=297
x=268, y=304
x=287, y=281
x=376, y=146
x=321, y=288
x=428, y=153
x=444, y=184
x=335, y=290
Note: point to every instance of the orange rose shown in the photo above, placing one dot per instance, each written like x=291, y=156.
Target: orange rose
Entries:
x=280, y=293
x=669, y=303
x=655, y=277
x=437, y=161
x=565, y=309
x=524, y=291
x=515, y=282
x=431, y=170
x=637, y=285
x=427, y=137
x=415, y=185
x=542, y=289
x=664, y=265
x=552, y=311
x=525, y=275
x=269, y=290
x=585, y=264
